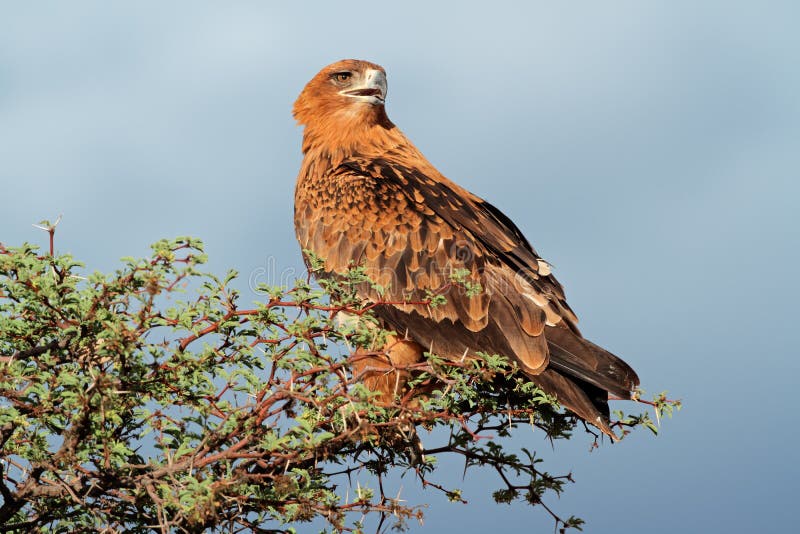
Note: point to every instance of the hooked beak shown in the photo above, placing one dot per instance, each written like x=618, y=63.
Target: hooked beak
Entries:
x=372, y=91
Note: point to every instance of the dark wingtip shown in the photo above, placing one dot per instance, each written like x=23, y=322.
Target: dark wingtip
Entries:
x=575, y=356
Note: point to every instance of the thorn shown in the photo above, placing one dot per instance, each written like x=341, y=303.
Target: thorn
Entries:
x=48, y=228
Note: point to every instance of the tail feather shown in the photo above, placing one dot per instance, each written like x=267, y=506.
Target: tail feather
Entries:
x=588, y=402
x=581, y=375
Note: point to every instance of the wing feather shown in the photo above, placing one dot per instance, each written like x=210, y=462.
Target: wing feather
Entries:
x=411, y=230
x=419, y=236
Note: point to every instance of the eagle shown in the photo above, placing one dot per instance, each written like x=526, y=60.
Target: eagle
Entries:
x=366, y=196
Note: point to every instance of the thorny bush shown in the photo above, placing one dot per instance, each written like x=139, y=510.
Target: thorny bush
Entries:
x=149, y=400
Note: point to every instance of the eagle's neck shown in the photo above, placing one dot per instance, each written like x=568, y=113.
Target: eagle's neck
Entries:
x=351, y=132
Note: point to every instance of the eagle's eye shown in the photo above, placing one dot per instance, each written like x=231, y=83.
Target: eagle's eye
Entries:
x=342, y=77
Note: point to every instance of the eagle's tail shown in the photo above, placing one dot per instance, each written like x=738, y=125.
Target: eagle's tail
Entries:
x=582, y=375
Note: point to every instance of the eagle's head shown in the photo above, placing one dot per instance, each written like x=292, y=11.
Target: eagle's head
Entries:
x=344, y=94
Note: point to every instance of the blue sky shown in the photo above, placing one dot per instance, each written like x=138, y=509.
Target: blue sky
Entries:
x=649, y=150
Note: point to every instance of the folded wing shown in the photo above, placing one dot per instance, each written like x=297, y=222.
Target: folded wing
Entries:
x=412, y=229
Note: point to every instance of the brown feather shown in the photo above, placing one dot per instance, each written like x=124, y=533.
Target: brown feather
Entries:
x=366, y=196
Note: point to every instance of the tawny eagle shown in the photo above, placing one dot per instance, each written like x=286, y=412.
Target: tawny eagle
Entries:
x=366, y=196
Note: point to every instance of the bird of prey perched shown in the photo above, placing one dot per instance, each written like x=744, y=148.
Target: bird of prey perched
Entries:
x=366, y=196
